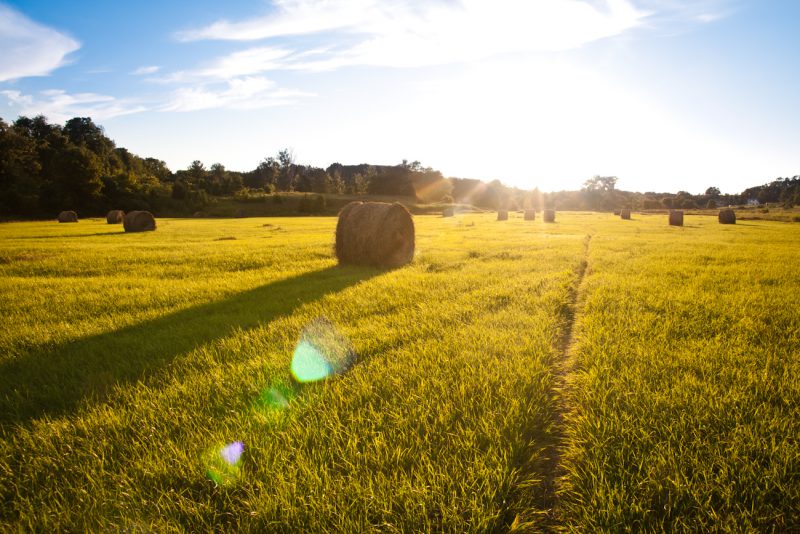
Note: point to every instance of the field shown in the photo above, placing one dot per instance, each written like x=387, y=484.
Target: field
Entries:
x=592, y=374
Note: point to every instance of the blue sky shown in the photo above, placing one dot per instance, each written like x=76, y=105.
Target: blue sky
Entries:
x=664, y=94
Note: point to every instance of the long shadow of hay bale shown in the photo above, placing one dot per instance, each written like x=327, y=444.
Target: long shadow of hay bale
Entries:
x=54, y=381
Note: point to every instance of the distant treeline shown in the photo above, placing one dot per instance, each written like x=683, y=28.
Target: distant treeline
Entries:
x=45, y=168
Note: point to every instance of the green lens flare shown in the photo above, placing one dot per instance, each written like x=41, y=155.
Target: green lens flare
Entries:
x=309, y=364
x=321, y=351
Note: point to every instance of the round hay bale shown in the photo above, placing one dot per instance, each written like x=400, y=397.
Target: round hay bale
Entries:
x=115, y=216
x=139, y=221
x=617, y=212
x=727, y=216
x=530, y=215
x=67, y=216
x=449, y=212
x=375, y=234
x=502, y=215
x=549, y=216
x=625, y=214
x=676, y=218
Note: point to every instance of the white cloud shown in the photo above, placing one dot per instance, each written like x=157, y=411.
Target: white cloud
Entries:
x=239, y=93
x=150, y=69
x=28, y=48
x=59, y=106
x=293, y=17
x=243, y=63
x=407, y=34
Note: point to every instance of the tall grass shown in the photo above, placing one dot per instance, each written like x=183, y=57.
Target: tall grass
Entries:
x=684, y=398
x=591, y=375
x=130, y=359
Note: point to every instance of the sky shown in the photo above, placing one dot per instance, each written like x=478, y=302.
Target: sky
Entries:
x=666, y=95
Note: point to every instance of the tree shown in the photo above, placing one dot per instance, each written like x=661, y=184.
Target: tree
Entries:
x=286, y=175
x=599, y=191
x=600, y=183
x=713, y=192
x=265, y=176
x=19, y=172
x=196, y=175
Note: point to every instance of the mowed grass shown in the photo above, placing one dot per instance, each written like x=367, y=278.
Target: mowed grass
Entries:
x=637, y=376
x=684, y=383
x=129, y=360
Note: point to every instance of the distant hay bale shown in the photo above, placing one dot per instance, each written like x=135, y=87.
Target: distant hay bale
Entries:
x=530, y=215
x=115, y=216
x=67, y=216
x=617, y=212
x=199, y=214
x=727, y=216
x=625, y=214
x=676, y=218
x=139, y=221
x=549, y=215
x=375, y=234
x=449, y=212
x=502, y=215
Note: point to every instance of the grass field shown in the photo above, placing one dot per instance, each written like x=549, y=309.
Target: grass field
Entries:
x=592, y=374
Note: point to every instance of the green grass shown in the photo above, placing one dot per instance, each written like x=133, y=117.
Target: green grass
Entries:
x=633, y=375
x=684, y=394
x=129, y=357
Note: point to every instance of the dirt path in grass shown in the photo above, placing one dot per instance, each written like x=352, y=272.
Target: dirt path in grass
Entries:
x=542, y=512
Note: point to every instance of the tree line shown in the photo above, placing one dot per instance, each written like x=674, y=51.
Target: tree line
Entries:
x=45, y=168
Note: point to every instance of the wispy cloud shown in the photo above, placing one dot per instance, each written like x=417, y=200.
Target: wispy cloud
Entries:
x=690, y=11
x=58, y=105
x=239, y=93
x=29, y=48
x=150, y=69
x=243, y=63
x=407, y=34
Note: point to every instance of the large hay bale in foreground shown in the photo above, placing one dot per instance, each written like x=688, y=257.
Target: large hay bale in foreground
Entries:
x=727, y=216
x=625, y=214
x=448, y=212
x=530, y=215
x=676, y=218
x=115, y=216
x=139, y=221
x=67, y=216
x=549, y=215
x=502, y=215
x=376, y=234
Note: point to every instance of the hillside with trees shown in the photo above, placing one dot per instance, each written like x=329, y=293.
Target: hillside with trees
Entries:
x=46, y=168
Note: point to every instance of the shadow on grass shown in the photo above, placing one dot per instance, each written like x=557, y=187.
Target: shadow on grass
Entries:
x=54, y=380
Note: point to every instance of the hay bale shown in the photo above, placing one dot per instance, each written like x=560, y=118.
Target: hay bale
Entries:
x=115, y=216
x=502, y=215
x=139, y=221
x=676, y=218
x=449, y=212
x=727, y=216
x=617, y=212
x=530, y=215
x=375, y=233
x=67, y=216
x=625, y=214
x=549, y=216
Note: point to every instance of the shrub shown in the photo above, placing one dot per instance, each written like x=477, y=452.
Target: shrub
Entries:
x=318, y=206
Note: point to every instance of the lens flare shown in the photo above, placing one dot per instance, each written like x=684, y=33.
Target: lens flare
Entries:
x=321, y=352
x=224, y=463
x=277, y=397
